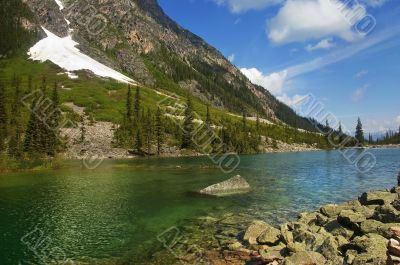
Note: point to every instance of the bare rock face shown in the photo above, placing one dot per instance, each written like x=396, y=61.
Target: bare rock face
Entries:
x=231, y=186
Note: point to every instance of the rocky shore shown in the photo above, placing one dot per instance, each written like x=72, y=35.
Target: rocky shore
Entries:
x=358, y=232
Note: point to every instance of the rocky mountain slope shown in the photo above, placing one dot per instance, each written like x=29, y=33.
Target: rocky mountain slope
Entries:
x=138, y=39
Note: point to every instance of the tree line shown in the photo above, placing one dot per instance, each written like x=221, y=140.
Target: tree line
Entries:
x=29, y=122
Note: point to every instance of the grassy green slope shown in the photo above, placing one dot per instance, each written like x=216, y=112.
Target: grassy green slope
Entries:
x=104, y=100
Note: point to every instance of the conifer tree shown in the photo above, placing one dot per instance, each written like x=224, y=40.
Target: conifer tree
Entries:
x=258, y=124
x=129, y=104
x=54, y=121
x=188, y=126
x=3, y=119
x=208, y=119
x=138, y=144
x=148, y=130
x=244, y=122
x=360, y=132
x=31, y=134
x=15, y=144
x=137, y=104
x=159, y=130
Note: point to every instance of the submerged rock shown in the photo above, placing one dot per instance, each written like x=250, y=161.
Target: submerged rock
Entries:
x=231, y=186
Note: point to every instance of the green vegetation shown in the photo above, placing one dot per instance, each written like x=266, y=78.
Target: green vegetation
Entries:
x=13, y=36
x=145, y=124
x=390, y=137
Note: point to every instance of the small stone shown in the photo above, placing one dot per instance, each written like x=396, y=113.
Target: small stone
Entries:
x=387, y=214
x=377, y=198
x=254, y=231
x=351, y=219
x=395, y=230
x=270, y=236
x=350, y=256
x=394, y=247
x=305, y=258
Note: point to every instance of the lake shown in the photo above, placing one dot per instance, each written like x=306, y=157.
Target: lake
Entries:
x=117, y=210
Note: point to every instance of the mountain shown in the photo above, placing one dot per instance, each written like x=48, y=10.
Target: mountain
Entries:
x=138, y=39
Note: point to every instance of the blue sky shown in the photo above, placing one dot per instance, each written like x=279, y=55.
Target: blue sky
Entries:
x=346, y=55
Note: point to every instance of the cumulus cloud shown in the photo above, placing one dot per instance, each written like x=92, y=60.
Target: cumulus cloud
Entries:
x=381, y=125
x=274, y=82
x=232, y=57
x=240, y=6
x=291, y=101
x=359, y=93
x=361, y=73
x=324, y=44
x=301, y=20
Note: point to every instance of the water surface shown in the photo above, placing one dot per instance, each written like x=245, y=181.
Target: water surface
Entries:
x=117, y=210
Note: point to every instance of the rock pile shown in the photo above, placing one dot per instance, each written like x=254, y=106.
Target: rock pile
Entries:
x=359, y=232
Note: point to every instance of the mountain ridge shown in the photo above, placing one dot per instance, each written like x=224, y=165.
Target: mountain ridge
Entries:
x=141, y=41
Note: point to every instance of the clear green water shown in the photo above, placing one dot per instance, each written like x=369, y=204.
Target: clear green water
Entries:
x=119, y=209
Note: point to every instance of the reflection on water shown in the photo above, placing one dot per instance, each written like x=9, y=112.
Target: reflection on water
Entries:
x=118, y=209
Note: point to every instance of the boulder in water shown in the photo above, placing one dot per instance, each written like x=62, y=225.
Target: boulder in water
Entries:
x=231, y=186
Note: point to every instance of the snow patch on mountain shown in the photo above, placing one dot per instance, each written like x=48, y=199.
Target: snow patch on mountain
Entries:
x=60, y=4
x=62, y=52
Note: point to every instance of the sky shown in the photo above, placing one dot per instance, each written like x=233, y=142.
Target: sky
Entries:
x=345, y=54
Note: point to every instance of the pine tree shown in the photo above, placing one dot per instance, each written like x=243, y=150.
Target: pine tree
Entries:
x=159, y=130
x=129, y=104
x=188, y=126
x=360, y=132
x=341, y=134
x=15, y=144
x=208, y=119
x=244, y=122
x=31, y=134
x=3, y=119
x=54, y=122
x=148, y=131
x=137, y=104
x=138, y=144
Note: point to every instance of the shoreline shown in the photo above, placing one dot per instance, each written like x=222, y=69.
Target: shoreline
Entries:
x=57, y=163
x=362, y=231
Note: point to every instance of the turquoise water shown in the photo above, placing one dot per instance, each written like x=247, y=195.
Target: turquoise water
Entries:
x=117, y=210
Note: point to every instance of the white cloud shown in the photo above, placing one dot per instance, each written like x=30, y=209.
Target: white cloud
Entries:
x=232, y=57
x=301, y=20
x=381, y=125
x=240, y=6
x=361, y=73
x=324, y=44
x=374, y=3
x=345, y=53
x=274, y=82
x=359, y=93
x=291, y=101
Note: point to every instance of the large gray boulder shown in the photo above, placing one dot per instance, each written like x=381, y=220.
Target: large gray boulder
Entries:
x=231, y=186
